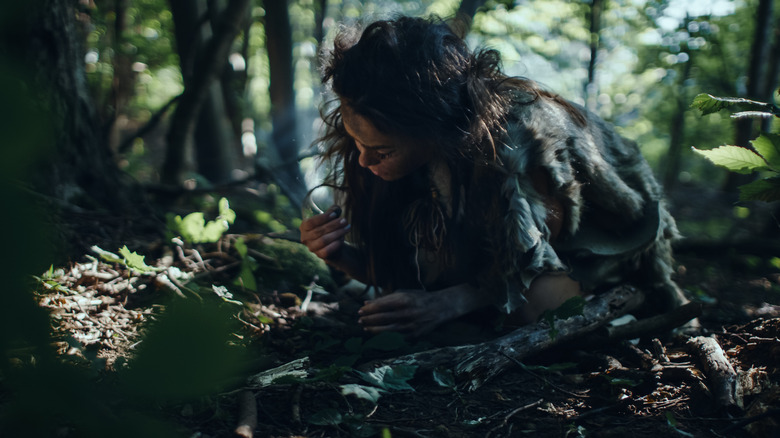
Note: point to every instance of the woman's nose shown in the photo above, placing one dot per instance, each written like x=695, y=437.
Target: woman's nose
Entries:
x=367, y=158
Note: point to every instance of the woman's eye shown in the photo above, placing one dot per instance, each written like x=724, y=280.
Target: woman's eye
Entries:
x=382, y=156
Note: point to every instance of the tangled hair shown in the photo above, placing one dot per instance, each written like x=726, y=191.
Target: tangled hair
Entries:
x=417, y=79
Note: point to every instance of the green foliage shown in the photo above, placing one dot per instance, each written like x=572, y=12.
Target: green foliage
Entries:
x=246, y=277
x=194, y=229
x=135, y=261
x=186, y=353
x=764, y=157
x=368, y=393
x=289, y=265
x=708, y=104
x=734, y=158
x=391, y=378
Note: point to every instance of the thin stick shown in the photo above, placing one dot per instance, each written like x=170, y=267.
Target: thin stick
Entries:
x=512, y=414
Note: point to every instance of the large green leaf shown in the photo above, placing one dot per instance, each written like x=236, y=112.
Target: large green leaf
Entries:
x=767, y=189
x=361, y=391
x=768, y=145
x=734, y=158
x=391, y=377
x=326, y=417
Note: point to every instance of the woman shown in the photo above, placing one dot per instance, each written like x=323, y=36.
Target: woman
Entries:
x=466, y=189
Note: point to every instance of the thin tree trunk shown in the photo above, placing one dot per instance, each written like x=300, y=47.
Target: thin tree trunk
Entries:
x=759, y=57
x=591, y=88
x=677, y=129
x=283, y=115
x=207, y=66
x=123, y=83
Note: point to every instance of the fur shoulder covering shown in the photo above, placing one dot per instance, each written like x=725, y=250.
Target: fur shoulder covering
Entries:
x=591, y=169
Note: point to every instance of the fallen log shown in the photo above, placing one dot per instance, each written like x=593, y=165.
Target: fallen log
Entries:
x=721, y=376
x=475, y=364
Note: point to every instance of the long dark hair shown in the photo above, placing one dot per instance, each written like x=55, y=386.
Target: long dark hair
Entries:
x=414, y=78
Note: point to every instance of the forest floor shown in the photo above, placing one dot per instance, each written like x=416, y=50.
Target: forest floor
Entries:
x=108, y=315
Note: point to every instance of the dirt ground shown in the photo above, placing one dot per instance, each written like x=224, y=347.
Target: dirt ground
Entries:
x=648, y=387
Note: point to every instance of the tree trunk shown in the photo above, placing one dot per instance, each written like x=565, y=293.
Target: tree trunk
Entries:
x=201, y=65
x=466, y=11
x=677, y=129
x=591, y=89
x=759, y=58
x=285, y=135
x=80, y=170
x=123, y=83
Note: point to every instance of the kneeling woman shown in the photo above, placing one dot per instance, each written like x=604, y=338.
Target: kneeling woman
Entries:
x=466, y=189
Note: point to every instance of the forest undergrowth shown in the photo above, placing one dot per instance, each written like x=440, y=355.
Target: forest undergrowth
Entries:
x=250, y=335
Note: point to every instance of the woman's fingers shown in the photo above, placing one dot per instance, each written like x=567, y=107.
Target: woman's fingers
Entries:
x=387, y=303
x=328, y=218
x=323, y=234
x=397, y=312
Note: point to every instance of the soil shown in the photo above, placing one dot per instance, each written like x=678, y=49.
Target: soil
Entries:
x=648, y=387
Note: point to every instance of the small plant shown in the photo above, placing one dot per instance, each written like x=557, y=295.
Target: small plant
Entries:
x=193, y=228
x=764, y=157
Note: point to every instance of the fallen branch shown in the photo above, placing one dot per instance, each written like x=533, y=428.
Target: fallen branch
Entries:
x=475, y=364
x=513, y=413
x=721, y=377
x=652, y=325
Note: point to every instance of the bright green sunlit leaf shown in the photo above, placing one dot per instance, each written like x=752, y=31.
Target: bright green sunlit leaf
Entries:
x=734, y=158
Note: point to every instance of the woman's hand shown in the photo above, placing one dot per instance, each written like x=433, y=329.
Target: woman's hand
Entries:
x=416, y=312
x=324, y=233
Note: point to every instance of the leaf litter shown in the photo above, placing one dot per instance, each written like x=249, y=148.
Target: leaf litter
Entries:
x=102, y=305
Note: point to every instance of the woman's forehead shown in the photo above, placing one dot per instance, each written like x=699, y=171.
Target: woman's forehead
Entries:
x=362, y=130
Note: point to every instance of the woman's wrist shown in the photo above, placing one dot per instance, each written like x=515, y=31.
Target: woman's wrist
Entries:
x=464, y=298
x=348, y=261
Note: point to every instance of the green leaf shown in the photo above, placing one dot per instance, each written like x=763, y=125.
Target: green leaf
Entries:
x=346, y=360
x=391, y=377
x=617, y=381
x=709, y=104
x=354, y=345
x=246, y=278
x=752, y=115
x=768, y=145
x=225, y=212
x=386, y=341
x=360, y=391
x=191, y=226
x=571, y=307
x=135, y=261
x=213, y=231
x=734, y=158
x=241, y=247
x=766, y=189
x=107, y=256
x=326, y=417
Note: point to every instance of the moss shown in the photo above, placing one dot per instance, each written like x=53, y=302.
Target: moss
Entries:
x=289, y=266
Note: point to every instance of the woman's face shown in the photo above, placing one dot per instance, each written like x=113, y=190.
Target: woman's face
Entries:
x=388, y=157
